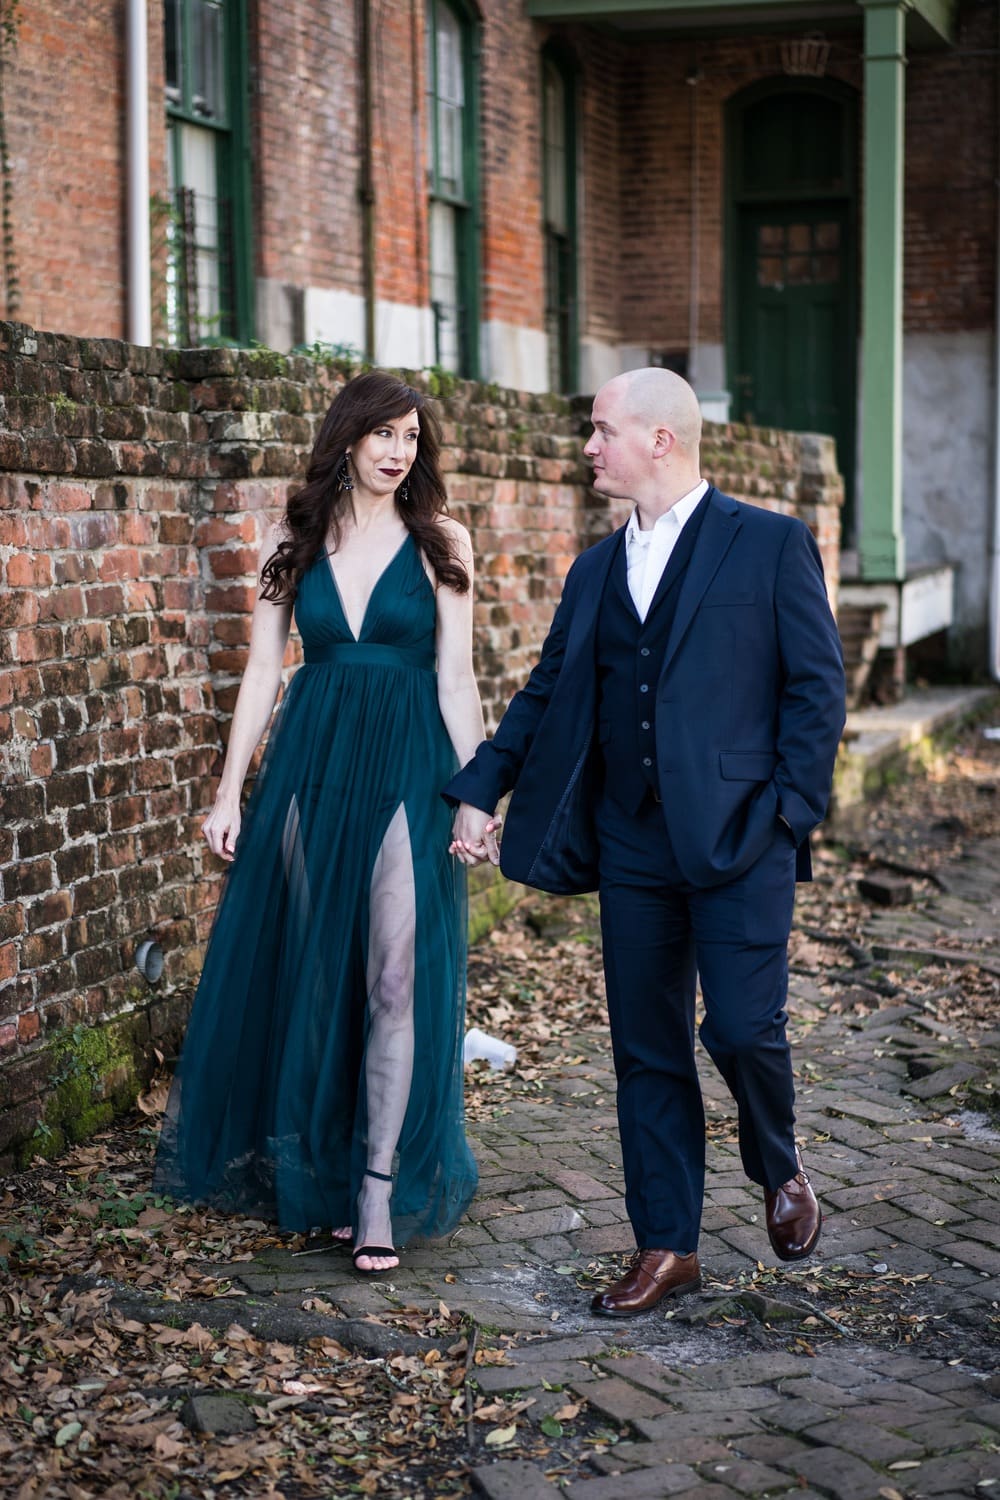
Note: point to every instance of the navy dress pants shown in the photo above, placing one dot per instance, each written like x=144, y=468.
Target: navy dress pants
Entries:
x=660, y=935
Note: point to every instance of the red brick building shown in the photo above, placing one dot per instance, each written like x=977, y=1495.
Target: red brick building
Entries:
x=793, y=203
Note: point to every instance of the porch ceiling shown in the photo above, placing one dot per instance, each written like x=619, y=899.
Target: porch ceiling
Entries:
x=929, y=23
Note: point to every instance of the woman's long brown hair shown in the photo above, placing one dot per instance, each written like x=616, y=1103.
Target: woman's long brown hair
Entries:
x=316, y=511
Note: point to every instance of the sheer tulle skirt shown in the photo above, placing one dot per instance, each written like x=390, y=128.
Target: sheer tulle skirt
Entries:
x=330, y=1011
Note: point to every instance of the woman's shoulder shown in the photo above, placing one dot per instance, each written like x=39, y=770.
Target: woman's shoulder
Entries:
x=457, y=534
x=275, y=532
x=452, y=528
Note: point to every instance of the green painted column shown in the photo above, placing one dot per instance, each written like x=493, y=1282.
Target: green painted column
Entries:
x=880, y=543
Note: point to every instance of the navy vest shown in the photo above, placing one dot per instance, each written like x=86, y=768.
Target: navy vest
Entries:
x=629, y=661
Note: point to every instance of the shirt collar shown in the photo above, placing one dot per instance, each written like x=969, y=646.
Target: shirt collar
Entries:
x=677, y=515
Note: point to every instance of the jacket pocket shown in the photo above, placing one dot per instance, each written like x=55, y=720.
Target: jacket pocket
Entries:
x=747, y=765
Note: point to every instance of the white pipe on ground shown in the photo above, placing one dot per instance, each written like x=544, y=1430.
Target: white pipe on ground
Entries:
x=140, y=316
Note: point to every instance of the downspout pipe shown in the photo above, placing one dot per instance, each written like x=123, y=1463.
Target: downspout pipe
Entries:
x=994, y=643
x=368, y=174
x=139, y=271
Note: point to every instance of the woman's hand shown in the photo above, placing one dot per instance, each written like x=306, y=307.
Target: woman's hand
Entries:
x=222, y=827
x=474, y=836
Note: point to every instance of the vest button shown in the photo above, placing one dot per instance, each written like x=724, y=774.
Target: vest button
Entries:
x=646, y=760
x=643, y=650
x=645, y=724
x=644, y=687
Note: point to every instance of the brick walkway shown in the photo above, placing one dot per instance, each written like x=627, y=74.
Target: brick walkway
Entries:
x=872, y=1371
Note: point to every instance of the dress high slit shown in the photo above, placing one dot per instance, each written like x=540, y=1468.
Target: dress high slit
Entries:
x=326, y=1033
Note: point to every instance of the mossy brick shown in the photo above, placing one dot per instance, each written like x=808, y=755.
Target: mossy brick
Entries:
x=22, y=803
x=25, y=411
x=200, y=364
x=47, y=455
x=48, y=909
x=28, y=878
x=139, y=460
x=73, y=420
x=83, y=821
x=67, y=789
x=133, y=880
x=17, y=1126
x=76, y=862
x=103, y=354
x=41, y=948
x=11, y=921
x=93, y=1076
x=94, y=964
x=123, y=423
x=27, y=1077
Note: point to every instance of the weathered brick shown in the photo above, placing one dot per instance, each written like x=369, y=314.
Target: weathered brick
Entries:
x=28, y=878
x=49, y=909
x=95, y=964
x=42, y=948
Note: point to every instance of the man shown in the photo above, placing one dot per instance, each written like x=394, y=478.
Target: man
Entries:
x=674, y=747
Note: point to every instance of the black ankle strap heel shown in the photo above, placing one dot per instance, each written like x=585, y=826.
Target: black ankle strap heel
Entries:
x=373, y=1250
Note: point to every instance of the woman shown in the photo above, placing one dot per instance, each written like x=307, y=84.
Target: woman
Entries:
x=321, y=1077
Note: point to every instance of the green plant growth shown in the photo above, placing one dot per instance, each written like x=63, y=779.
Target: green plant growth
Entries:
x=93, y=1079
x=9, y=18
x=16, y=1245
x=263, y=363
x=324, y=353
x=441, y=383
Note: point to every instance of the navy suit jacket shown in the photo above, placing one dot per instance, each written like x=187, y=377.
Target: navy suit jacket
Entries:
x=749, y=711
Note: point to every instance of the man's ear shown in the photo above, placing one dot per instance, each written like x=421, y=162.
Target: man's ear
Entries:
x=664, y=442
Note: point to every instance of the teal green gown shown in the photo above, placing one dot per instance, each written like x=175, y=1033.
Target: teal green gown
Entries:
x=342, y=891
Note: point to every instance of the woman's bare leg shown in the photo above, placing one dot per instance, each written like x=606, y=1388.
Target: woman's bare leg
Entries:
x=389, y=1049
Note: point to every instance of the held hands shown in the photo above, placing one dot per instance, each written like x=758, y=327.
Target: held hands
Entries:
x=222, y=828
x=474, y=836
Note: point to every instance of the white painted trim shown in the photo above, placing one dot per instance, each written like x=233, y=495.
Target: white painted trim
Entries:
x=333, y=316
x=404, y=336
x=514, y=356
x=918, y=607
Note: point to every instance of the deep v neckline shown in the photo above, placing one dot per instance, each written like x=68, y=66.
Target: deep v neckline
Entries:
x=374, y=590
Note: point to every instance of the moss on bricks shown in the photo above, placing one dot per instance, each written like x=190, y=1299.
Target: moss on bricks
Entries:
x=93, y=1079
x=491, y=897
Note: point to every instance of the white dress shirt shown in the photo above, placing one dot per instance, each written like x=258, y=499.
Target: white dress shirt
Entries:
x=648, y=552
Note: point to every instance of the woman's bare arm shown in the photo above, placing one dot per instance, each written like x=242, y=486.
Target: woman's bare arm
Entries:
x=254, y=704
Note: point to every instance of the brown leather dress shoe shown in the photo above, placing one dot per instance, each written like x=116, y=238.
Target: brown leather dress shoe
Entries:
x=651, y=1276
x=793, y=1217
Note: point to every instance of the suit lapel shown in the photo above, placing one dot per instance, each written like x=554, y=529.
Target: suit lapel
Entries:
x=583, y=625
x=679, y=558
x=719, y=527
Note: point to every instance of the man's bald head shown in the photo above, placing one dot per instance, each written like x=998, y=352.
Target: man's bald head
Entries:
x=659, y=398
x=644, y=447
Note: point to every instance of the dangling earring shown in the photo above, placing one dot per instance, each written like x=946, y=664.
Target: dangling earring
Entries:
x=403, y=493
x=344, y=480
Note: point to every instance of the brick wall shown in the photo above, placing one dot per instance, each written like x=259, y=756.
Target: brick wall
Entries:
x=604, y=67
x=951, y=182
x=135, y=485
x=304, y=106
x=637, y=127
x=644, y=180
x=65, y=125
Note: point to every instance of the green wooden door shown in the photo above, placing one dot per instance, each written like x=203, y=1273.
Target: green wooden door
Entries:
x=796, y=333
x=791, y=290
